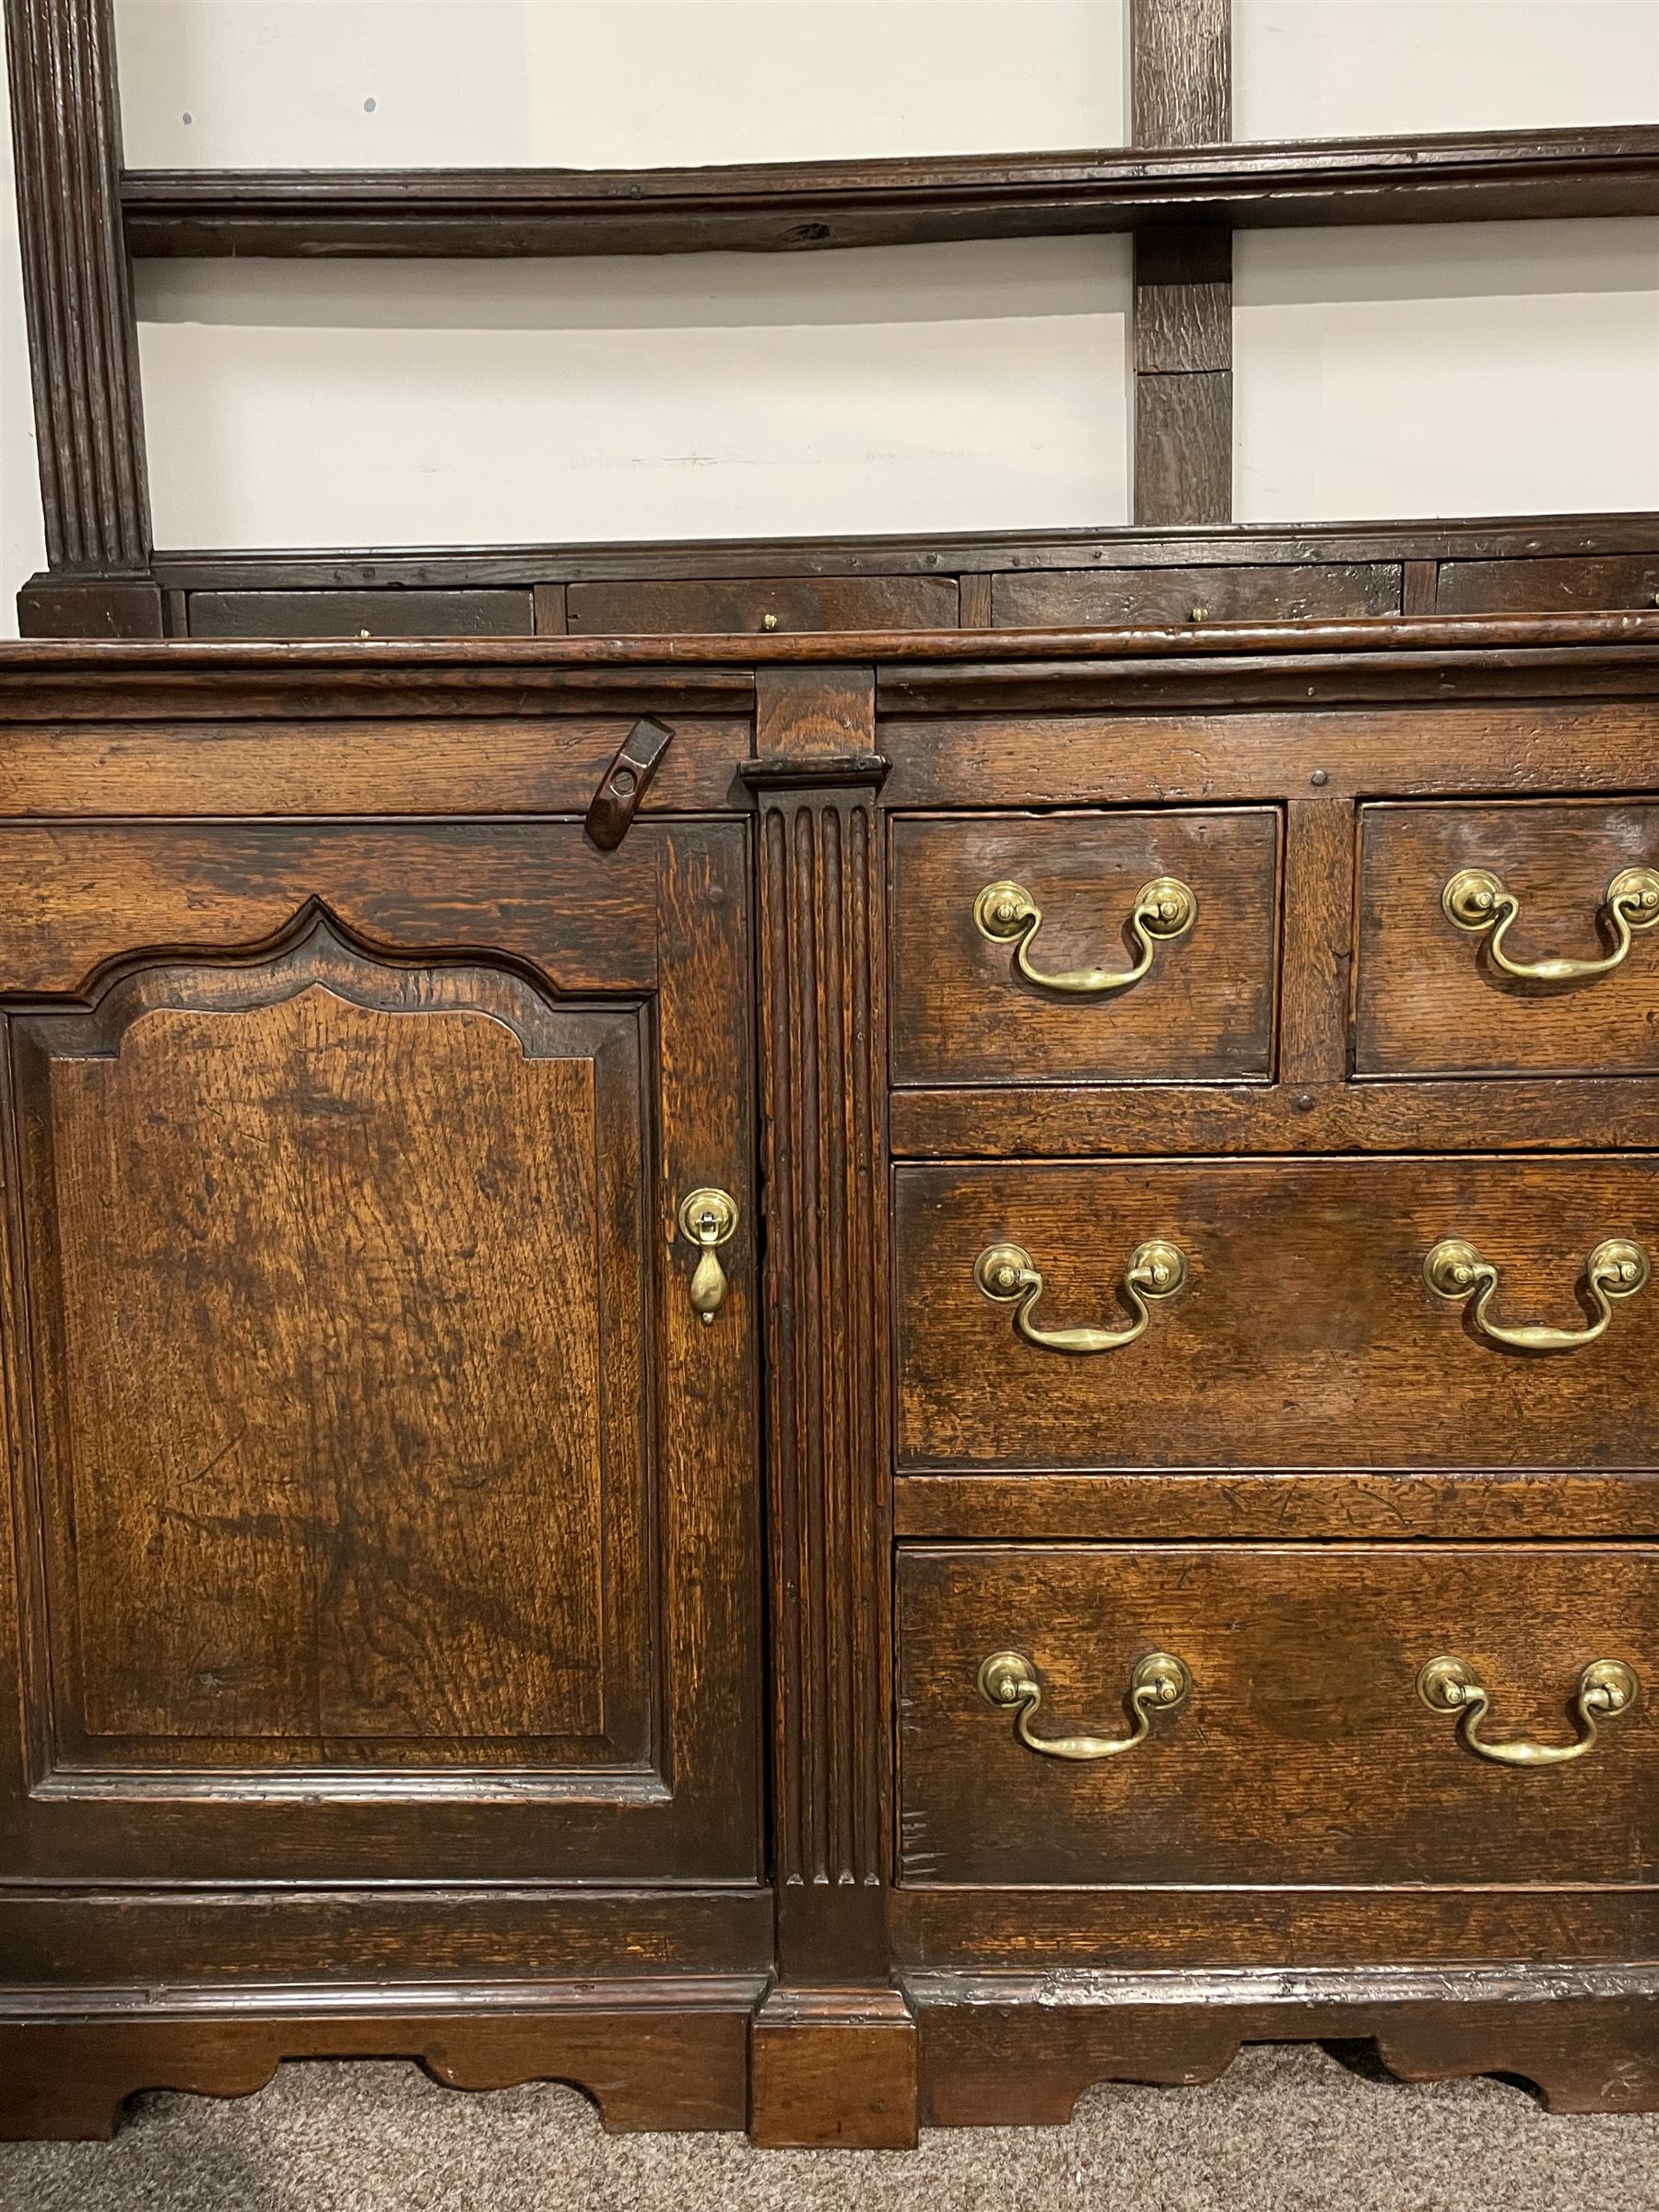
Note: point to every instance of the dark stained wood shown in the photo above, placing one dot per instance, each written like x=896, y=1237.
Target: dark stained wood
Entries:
x=87, y=896
x=399, y=614
x=371, y=1130
x=625, y=782
x=1180, y=72
x=995, y=2053
x=833, y=2069
x=1318, y=943
x=395, y=1937
x=112, y=608
x=1420, y=588
x=1184, y=447
x=83, y=340
x=1064, y=1121
x=549, y=612
x=348, y=1328
x=1531, y=1930
x=962, y=1012
x=1239, y=1506
x=218, y=1608
x=1430, y=1001
x=1305, y=1336
x=822, y=922
x=983, y=552
x=1062, y=598
x=824, y=716
x=743, y=604
x=647, y=2054
x=1181, y=315
x=988, y=753
x=521, y=764
x=1183, y=319
x=1303, y=1752
x=1491, y=587
x=978, y=602
x=780, y=206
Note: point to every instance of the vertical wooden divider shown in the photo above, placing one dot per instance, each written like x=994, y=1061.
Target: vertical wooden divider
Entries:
x=834, y=2048
x=1181, y=397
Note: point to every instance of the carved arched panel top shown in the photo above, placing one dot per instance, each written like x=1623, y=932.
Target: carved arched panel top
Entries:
x=316, y=952
x=76, y=902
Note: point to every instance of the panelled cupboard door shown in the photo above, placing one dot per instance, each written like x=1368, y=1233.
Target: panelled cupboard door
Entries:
x=381, y=1505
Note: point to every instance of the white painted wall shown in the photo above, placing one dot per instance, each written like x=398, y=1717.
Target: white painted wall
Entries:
x=1363, y=69
x=1464, y=369
x=1504, y=368
x=900, y=388
x=589, y=83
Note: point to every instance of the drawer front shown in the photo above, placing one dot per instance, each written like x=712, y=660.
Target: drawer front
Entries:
x=1073, y=598
x=1304, y=1335
x=1504, y=587
x=1432, y=996
x=743, y=604
x=1302, y=1750
x=963, y=1010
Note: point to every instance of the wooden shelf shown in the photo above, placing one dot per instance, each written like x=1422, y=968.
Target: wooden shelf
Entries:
x=786, y=206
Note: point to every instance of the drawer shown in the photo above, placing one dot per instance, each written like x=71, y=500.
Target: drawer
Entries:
x=1073, y=598
x=1301, y=1750
x=1304, y=1335
x=1503, y=587
x=965, y=1012
x=1434, y=998
x=794, y=603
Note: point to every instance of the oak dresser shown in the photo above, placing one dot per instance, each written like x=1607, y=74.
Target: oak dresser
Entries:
x=833, y=1382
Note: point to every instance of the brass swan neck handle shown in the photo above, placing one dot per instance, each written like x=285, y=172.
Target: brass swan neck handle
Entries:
x=1164, y=909
x=1158, y=1683
x=1006, y=1273
x=1478, y=900
x=1606, y=1687
x=1455, y=1270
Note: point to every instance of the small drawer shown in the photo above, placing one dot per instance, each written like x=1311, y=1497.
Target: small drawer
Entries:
x=1435, y=996
x=786, y=604
x=1075, y=598
x=1511, y=587
x=1295, y=1327
x=1292, y=1742
x=982, y=994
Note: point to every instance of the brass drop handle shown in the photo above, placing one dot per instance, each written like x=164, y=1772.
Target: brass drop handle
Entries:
x=707, y=1219
x=1478, y=900
x=1616, y=1268
x=1164, y=909
x=1005, y=1273
x=1008, y=1681
x=1606, y=1687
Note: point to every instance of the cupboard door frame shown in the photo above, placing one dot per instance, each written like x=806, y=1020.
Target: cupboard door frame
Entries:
x=528, y=912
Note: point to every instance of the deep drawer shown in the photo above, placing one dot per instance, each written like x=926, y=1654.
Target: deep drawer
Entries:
x=965, y=1011
x=1302, y=1750
x=1434, y=996
x=1304, y=1335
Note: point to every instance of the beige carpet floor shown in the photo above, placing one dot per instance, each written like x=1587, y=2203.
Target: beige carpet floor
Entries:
x=1289, y=2129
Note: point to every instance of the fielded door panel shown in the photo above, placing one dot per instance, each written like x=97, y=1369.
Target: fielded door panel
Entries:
x=382, y=1506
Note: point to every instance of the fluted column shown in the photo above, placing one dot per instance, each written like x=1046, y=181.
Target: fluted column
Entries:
x=834, y=2055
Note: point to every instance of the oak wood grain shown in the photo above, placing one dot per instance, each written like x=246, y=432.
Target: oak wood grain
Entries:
x=742, y=604
x=1302, y=1752
x=1064, y=597
x=1429, y=998
x=1305, y=1336
x=962, y=1012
